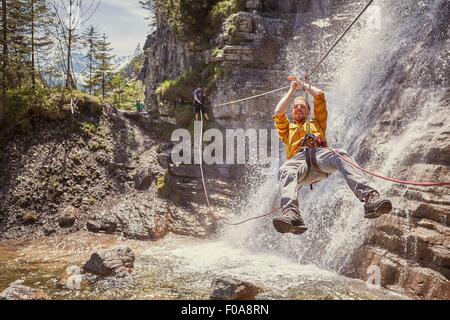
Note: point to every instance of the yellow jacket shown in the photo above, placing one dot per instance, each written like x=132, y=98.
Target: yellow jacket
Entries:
x=292, y=134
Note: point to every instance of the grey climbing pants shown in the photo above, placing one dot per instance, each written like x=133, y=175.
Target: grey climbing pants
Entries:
x=292, y=175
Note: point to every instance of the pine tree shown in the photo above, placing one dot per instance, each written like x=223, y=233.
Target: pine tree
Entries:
x=104, y=71
x=15, y=43
x=71, y=14
x=152, y=6
x=41, y=20
x=91, y=39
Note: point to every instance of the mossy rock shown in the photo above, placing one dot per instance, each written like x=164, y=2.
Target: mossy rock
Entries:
x=91, y=104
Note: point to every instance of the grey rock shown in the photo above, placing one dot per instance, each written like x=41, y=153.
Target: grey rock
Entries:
x=143, y=180
x=68, y=217
x=17, y=291
x=113, y=262
x=105, y=226
x=233, y=289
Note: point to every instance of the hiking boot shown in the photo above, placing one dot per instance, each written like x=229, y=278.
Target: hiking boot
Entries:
x=290, y=221
x=375, y=207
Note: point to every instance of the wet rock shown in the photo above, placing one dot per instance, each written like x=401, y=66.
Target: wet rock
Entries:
x=68, y=217
x=113, y=262
x=17, y=291
x=105, y=226
x=143, y=180
x=232, y=289
x=134, y=219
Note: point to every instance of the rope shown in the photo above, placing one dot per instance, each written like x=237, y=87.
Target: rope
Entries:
x=252, y=97
x=200, y=149
x=404, y=182
x=341, y=37
x=314, y=69
x=355, y=165
x=249, y=219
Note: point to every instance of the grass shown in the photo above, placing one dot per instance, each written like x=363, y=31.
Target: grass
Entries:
x=181, y=88
x=89, y=128
x=161, y=185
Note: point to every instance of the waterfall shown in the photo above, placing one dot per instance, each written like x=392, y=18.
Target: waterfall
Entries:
x=385, y=86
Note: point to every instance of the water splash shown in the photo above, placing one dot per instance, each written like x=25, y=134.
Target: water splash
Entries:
x=377, y=77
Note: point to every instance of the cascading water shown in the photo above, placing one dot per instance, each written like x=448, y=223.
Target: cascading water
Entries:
x=390, y=72
x=392, y=66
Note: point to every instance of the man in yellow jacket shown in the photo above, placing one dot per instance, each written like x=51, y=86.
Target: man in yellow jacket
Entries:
x=309, y=159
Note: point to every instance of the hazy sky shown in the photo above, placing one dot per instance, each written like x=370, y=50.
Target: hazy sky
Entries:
x=124, y=23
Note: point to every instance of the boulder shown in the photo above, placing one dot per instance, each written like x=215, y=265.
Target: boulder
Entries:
x=143, y=180
x=232, y=289
x=17, y=291
x=112, y=262
x=68, y=217
x=105, y=226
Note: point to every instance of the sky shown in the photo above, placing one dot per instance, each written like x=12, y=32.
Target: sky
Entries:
x=124, y=23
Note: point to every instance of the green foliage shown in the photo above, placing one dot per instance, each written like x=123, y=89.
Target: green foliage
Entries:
x=198, y=20
x=211, y=74
x=161, y=185
x=26, y=38
x=91, y=39
x=23, y=103
x=179, y=92
x=104, y=69
x=217, y=52
x=89, y=128
x=91, y=200
x=125, y=92
x=180, y=89
x=52, y=104
x=219, y=12
x=94, y=146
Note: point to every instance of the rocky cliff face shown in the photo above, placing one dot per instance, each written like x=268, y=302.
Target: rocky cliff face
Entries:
x=387, y=88
x=97, y=171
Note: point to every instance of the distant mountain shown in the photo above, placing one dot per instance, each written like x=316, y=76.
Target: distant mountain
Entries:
x=81, y=65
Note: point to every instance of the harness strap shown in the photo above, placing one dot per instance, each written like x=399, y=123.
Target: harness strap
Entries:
x=311, y=162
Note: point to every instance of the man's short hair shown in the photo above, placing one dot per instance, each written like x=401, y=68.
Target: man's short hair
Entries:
x=302, y=99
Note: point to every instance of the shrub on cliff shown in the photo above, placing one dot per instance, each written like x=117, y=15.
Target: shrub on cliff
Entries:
x=198, y=20
x=180, y=89
x=52, y=104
